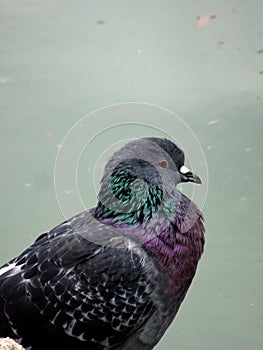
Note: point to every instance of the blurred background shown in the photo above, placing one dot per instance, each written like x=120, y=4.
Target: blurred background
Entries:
x=203, y=60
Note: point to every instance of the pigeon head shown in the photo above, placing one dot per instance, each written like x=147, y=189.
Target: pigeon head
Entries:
x=138, y=178
x=174, y=160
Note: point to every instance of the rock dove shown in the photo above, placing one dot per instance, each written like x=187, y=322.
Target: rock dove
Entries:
x=114, y=276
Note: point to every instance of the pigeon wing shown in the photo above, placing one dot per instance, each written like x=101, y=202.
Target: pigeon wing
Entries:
x=68, y=289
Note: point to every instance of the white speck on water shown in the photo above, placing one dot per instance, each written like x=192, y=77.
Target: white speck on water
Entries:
x=243, y=198
x=248, y=149
x=139, y=51
x=5, y=80
x=59, y=146
x=209, y=147
x=27, y=184
x=88, y=170
x=68, y=191
x=212, y=122
x=251, y=304
x=220, y=294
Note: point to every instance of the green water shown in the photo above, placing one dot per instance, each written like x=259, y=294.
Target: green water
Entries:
x=60, y=60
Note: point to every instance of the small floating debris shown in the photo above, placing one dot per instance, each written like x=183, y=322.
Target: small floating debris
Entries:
x=27, y=185
x=203, y=21
x=49, y=133
x=139, y=51
x=100, y=21
x=5, y=80
x=248, y=149
x=220, y=45
x=212, y=122
x=68, y=191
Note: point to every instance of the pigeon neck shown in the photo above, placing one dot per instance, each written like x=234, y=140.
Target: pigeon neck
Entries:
x=121, y=216
x=155, y=207
x=127, y=198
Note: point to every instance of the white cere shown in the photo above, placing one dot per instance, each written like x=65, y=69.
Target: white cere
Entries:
x=184, y=169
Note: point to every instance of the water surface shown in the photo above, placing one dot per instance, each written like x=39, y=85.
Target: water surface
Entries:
x=61, y=60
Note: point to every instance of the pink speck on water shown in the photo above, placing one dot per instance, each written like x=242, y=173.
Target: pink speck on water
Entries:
x=202, y=21
x=49, y=134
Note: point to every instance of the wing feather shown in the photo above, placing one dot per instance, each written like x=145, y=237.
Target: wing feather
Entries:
x=76, y=289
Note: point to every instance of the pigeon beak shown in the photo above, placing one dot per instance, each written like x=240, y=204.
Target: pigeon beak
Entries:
x=187, y=176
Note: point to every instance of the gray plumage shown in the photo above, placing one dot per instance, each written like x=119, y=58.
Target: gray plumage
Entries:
x=115, y=276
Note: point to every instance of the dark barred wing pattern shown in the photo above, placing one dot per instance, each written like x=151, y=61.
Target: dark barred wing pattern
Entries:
x=66, y=290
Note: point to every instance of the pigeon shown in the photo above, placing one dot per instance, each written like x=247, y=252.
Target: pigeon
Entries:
x=113, y=276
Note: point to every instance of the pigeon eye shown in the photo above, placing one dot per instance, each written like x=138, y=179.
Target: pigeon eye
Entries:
x=163, y=164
